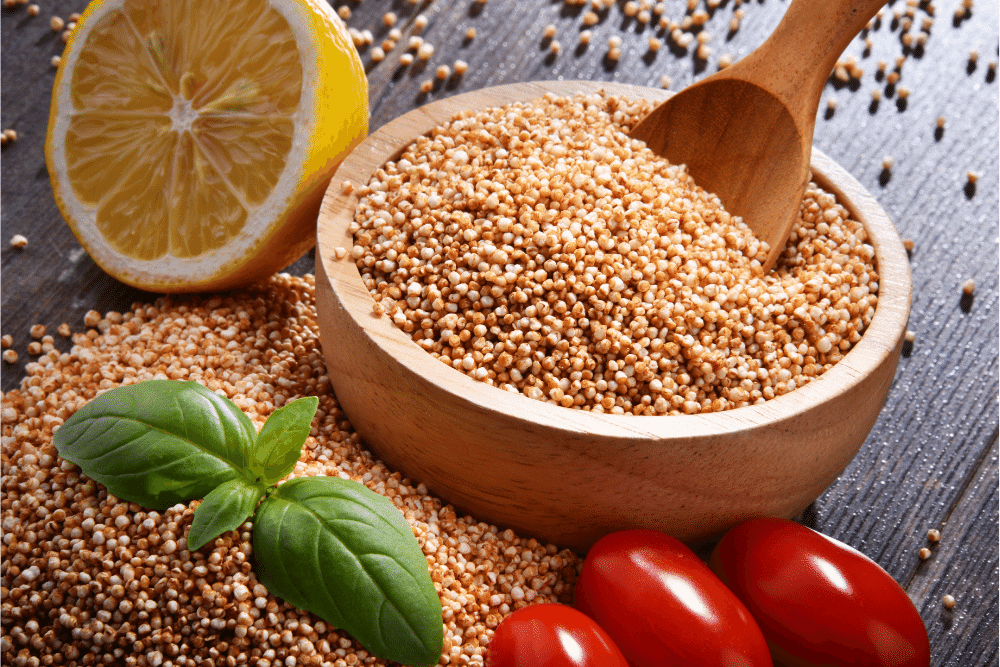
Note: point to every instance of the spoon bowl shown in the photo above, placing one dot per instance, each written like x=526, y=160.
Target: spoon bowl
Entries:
x=568, y=476
x=745, y=133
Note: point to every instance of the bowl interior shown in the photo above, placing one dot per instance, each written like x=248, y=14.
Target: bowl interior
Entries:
x=880, y=339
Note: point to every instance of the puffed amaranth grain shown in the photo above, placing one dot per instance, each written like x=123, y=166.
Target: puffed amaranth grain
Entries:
x=117, y=582
x=538, y=248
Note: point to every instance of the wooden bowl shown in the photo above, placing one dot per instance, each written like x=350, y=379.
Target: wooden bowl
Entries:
x=568, y=476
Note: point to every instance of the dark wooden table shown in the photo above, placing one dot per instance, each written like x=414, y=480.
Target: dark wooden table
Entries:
x=931, y=460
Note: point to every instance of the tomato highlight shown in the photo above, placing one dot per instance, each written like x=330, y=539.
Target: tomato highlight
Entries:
x=551, y=635
x=663, y=606
x=817, y=600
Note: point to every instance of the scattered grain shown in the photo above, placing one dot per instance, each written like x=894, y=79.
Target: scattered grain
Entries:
x=64, y=330
x=948, y=601
x=888, y=162
x=941, y=122
x=470, y=33
x=6, y=341
x=421, y=21
x=908, y=244
x=36, y=331
x=425, y=51
x=344, y=12
x=969, y=286
x=924, y=553
x=34, y=348
x=555, y=47
x=549, y=32
x=55, y=61
x=140, y=592
x=665, y=82
x=725, y=60
x=10, y=356
x=406, y=59
x=585, y=36
x=57, y=24
x=442, y=72
x=911, y=336
x=972, y=176
x=933, y=535
x=614, y=53
x=427, y=86
x=18, y=241
x=33, y=10
x=460, y=67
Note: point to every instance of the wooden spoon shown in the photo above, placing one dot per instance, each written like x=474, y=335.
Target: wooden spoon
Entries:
x=745, y=132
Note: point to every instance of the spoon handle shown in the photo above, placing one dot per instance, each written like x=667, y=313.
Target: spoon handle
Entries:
x=796, y=60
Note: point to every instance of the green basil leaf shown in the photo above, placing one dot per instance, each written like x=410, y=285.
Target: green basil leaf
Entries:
x=225, y=508
x=158, y=442
x=279, y=443
x=335, y=548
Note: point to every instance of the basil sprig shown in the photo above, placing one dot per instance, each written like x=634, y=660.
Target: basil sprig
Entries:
x=324, y=544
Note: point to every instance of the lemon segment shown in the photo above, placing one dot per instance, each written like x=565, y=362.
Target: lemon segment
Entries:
x=190, y=143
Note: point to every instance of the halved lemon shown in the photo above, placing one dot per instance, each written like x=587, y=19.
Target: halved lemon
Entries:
x=190, y=141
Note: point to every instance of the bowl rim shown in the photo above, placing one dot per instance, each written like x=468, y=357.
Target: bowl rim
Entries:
x=878, y=344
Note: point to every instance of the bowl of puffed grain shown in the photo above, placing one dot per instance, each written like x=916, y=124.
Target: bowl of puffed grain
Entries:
x=559, y=332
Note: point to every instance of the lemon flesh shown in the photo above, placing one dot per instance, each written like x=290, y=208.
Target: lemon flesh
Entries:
x=190, y=141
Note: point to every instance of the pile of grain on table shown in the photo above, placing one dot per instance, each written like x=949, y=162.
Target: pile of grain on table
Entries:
x=88, y=579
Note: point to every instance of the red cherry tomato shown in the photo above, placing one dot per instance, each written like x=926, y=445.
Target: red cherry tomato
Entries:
x=817, y=600
x=551, y=635
x=662, y=606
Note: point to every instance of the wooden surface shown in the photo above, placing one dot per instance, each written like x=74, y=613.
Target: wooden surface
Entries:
x=532, y=466
x=931, y=460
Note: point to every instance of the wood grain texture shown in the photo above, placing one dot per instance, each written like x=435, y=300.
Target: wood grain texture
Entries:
x=932, y=441
x=955, y=566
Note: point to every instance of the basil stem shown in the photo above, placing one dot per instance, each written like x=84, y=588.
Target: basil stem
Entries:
x=345, y=553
